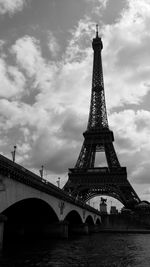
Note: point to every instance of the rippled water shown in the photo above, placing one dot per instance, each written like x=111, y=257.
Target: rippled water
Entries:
x=102, y=250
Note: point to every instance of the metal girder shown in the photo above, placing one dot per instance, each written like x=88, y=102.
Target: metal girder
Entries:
x=124, y=193
x=95, y=145
x=98, y=114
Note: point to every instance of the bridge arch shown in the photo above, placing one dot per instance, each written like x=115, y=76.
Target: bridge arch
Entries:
x=73, y=217
x=16, y=192
x=98, y=221
x=30, y=206
x=75, y=209
x=89, y=220
x=110, y=194
x=74, y=221
x=27, y=219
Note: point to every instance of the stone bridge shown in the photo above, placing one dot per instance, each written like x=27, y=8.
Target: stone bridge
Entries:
x=32, y=206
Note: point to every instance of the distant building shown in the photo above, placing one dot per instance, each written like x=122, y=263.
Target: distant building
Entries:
x=103, y=206
x=113, y=210
x=126, y=211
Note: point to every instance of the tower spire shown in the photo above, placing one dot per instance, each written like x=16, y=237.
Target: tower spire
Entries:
x=98, y=114
x=96, y=30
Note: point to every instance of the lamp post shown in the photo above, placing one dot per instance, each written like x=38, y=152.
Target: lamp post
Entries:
x=14, y=153
x=41, y=171
x=58, y=182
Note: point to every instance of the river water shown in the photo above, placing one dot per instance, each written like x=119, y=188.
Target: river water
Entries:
x=100, y=249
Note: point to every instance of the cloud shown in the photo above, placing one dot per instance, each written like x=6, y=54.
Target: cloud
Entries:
x=147, y=191
x=52, y=125
x=98, y=5
x=11, y=6
x=12, y=81
x=55, y=154
x=79, y=45
x=126, y=57
x=29, y=57
x=23, y=114
x=101, y=5
x=53, y=45
x=132, y=131
x=28, y=54
x=142, y=173
x=132, y=125
x=57, y=134
x=58, y=145
x=125, y=54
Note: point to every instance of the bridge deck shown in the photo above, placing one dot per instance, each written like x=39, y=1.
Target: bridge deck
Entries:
x=23, y=175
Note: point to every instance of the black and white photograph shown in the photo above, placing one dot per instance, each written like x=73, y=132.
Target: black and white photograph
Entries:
x=74, y=133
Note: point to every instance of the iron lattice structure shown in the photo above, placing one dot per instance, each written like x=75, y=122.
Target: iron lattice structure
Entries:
x=86, y=180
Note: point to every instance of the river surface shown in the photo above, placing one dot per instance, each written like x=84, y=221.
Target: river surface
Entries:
x=101, y=250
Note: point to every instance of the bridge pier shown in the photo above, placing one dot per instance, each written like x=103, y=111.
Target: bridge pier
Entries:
x=2, y=221
x=59, y=229
x=94, y=228
x=63, y=229
x=80, y=229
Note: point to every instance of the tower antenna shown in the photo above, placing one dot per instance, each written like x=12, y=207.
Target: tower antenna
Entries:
x=96, y=30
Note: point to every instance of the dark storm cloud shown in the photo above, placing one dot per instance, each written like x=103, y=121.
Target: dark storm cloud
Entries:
x=58, y=151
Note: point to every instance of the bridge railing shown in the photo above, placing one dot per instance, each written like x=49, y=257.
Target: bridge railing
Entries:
x=17, y=172
x=98, y=170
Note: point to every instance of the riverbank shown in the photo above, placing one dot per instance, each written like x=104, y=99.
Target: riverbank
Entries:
x=124, y=231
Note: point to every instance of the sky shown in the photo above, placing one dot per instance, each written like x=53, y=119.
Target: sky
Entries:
x=46, y=62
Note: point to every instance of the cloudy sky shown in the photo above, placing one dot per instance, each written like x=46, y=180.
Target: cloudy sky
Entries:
x=45, y=82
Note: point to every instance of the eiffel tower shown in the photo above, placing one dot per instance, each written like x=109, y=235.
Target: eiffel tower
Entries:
x=85, y=180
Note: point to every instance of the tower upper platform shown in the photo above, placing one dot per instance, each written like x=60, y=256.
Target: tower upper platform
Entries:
x=97, y=42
